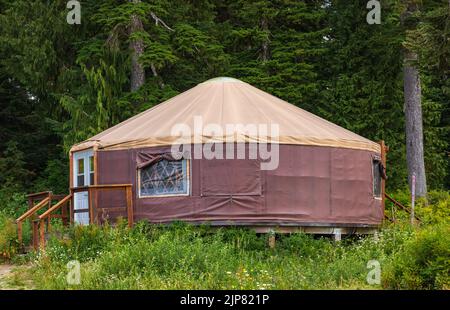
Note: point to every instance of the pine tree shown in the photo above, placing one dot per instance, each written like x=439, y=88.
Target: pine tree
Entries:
x=136, y=48
x=430, y=40
x=278, y=46
x=363, y=78
x=69, y=82
x=413, y=111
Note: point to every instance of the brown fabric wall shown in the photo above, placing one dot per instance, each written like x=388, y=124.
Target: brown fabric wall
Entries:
x=217, y=181
x=312, y=185
x=113, y=172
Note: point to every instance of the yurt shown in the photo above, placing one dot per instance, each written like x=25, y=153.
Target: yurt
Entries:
x=226, y=153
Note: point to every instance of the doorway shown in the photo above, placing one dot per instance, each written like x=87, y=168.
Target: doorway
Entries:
x=83, y=175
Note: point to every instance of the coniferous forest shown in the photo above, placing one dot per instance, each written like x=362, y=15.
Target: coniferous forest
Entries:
x=62, y=83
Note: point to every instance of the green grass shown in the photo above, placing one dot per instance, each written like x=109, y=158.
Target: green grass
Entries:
x=181, y=256
x=188, y=257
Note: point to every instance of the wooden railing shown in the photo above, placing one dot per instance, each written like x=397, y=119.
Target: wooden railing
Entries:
x=47, y=216
x=399, y=205
x=95, y=208
x=42, y=223
x=43, y=199
x=31, y=212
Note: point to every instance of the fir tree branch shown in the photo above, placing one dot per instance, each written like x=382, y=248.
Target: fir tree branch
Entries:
x=159, y=20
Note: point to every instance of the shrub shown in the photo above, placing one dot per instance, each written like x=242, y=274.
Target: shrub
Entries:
x=183, y=256
x=12, y=204
x=423, y=262
x=55, y=176
x=8, y=238
x=437, y=209
x=82, y=243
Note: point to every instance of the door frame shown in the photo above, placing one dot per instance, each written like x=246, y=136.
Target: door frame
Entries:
x=73, y=158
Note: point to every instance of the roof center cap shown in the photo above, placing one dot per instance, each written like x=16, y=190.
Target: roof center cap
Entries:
x=222, y=79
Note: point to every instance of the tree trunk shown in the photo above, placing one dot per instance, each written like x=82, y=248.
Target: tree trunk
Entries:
x=265, y=43
x=413, y=112
x=137, y=49
x=413, y=122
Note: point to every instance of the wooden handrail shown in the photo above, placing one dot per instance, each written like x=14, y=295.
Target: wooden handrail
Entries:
x=44, y=220
x=93, y=188
x=55, y=207
x=398, y=204
x=38, y=224
x=33, y=210
x=103, y=186
x=58, y=197
x=46, y=193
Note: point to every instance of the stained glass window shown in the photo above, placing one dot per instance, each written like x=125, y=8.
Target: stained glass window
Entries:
x=164, y=178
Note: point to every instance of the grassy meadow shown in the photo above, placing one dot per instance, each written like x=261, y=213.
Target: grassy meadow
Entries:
x=182, y=256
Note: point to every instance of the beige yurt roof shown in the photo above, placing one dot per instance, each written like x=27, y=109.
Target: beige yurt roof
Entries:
x=224, y=101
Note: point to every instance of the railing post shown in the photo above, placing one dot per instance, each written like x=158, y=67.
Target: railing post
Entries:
x=49, y=224
x=95, y=205
x=19, y=233
x=64, y=213
x=42, y=234
x=42, y=223
x=71, y=216
x=30, y=206
x=35, y=234
x=50, y=200
x=50, y=194
x=91, y=211
x=130, y=206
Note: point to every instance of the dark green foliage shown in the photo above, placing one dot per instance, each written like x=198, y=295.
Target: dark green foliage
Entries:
x=8, y=238
x=60, y=83
x=12, y=167
x=55, y=177
x=293, y=33
x=434, y=210
x=430, y=38
x=12, y=206
x=423, y=262
x=364, y=78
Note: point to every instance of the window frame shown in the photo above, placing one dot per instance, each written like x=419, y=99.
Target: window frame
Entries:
x=81, y=172
x=75, y=170
x=188, y=184
x=91, y=169
x=376, y=159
